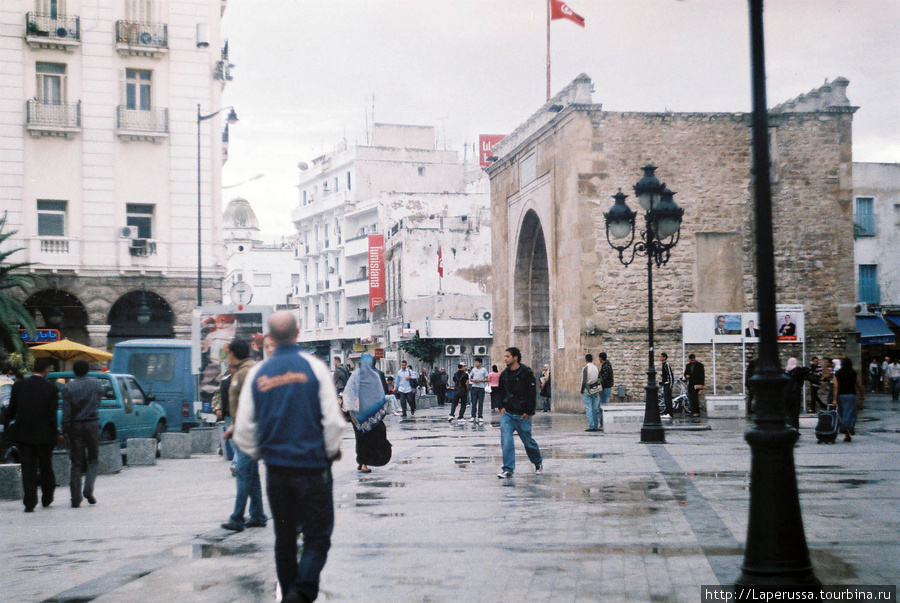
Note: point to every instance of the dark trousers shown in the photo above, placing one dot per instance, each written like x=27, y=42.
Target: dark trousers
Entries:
x=477, y=399
x=694, y=399
x=815, y=400
x=84, y=450
x=667, y=398
x=34, y=457
x=407, y=398
x=300, y=499
x=459, y=398
x=441, y=393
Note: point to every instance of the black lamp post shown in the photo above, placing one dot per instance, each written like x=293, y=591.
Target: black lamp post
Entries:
x=231, y=119
x=776, y=553
x=661, y=232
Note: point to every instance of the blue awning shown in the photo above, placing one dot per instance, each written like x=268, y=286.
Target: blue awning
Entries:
x=873, y=330
x=893, y=319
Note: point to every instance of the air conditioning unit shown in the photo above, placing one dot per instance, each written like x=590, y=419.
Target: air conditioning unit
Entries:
x=862, y=308
x=451, y=350
x=480, y=350
x=128, y=232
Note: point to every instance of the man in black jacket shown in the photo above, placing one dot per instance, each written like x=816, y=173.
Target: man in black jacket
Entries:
x=518, y=399
x=460, y=393
x=33, y=403
x=695, y=374
x=439, y=386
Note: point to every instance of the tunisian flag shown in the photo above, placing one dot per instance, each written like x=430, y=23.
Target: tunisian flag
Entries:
x=440, y=263
x=561, y=10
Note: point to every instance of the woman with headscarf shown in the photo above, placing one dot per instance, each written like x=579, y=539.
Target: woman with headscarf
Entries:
x=365, y=401
x=847, y=385
x=545, y=388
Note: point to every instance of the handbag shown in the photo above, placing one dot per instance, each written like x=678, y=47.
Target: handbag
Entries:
x=487, y=388
x=595, y=389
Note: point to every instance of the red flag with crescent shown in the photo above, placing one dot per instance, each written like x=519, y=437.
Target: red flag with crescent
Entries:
x=440, y=263
x=561, y=10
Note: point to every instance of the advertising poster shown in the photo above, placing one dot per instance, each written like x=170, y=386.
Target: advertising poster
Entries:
x=486, y=144
x=213, y=329
x=738, y=327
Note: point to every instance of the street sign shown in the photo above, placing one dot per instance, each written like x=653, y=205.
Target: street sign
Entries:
x=241, y=293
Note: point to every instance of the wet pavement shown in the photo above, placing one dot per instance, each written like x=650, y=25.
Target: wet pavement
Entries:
x=610, y=519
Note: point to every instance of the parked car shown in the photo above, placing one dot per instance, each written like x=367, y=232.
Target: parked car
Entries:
x=125, y=410
x=8, y=452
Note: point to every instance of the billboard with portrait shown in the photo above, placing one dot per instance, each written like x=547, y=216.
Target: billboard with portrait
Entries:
x=738, y=327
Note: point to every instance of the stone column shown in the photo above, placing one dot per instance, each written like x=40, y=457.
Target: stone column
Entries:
x=98, y=335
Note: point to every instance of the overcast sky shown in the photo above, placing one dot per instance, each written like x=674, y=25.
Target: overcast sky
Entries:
x=307, y=71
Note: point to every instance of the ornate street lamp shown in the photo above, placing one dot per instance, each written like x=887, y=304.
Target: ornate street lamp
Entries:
x=662, y=229
x=144, y=311
x=776, y=553
x=231, y=119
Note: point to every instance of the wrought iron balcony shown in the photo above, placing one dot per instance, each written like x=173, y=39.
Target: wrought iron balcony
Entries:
x=142, y=39
x=135, y=124
x=52, y=119
x=43, y=30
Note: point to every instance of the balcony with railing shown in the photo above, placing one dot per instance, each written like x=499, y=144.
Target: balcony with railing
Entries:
x=49, y=252
x=358, y=287
x=59, y=32
x=52, y=119
x=134, y=38
x=136, y=124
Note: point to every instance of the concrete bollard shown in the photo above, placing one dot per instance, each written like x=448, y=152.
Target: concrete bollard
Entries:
x=622, y=421
x=110, y=457
x=62, y=466
x=11, y=482
x=428, y=401
x=725, y=407
x=175, y=446
x=141, y=451
x=204, y=440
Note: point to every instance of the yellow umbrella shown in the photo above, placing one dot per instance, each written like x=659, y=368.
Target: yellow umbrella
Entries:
x=69, y=351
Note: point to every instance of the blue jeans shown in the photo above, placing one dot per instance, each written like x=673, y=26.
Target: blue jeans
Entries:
x=591, y=408
x=604, y=400
x=510, y=423
x=301, y=498
x=246, y=471
x=895, y=389
x=847, y=410
x=227, y=448
x=476, y=397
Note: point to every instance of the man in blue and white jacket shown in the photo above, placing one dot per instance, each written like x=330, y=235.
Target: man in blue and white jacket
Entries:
x=290, y=417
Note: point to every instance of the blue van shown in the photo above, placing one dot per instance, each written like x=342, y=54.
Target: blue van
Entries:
x=163, y=368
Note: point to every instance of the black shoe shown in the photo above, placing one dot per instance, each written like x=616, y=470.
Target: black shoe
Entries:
x=46, y=503
x=592, y=429
x=75, y=505
x=29, y=509
x=255, y=524
x=233, y=526
x=90, y=498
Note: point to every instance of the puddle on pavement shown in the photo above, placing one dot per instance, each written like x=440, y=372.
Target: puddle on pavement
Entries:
x=380, y=515
x=385, y=484
x=369, y=496
x=828, y=564
x=462, y=461
x=208, y=550
x=255, y=589
x=568, y=454
x=852, y=483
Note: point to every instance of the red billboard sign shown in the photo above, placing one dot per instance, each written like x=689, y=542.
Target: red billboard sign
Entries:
x=486, y=144
x=376, y=271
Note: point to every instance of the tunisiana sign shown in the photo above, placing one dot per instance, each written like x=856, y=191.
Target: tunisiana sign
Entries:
x=376, y=271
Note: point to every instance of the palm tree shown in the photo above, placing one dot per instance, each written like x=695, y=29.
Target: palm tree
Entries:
x=13, y=315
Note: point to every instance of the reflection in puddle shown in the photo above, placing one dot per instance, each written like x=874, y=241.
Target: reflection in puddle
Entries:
x=208, y=550
x=369, y=496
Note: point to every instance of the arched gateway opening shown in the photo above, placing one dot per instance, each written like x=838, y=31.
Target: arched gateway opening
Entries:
x=531, y=319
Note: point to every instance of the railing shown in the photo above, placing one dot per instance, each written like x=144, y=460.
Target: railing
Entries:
x=145, y=35
x=60, y=27
x=54, y=246
x=357, y=280
x=53, y=115
x=358, y=321
x=152, y=121
x=143, y=248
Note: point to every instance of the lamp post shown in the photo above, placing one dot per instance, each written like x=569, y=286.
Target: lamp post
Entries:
x=231, y=119
x=776, y=553
x=661, y=231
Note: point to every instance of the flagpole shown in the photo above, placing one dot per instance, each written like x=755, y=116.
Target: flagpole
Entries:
x=548, y=51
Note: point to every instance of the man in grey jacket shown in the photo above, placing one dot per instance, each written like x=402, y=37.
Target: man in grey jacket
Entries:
x=81, y=425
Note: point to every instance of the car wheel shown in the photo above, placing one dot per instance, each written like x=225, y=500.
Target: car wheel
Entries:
x=107, y=435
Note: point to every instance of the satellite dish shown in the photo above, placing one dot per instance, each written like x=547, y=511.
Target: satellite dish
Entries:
x=62, y=32
x=303, y=166
x=145, y=38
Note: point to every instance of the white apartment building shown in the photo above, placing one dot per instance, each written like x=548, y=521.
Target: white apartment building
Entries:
x=876, y=206
x=354, y=192
x=258, y=273
x=98, y=171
